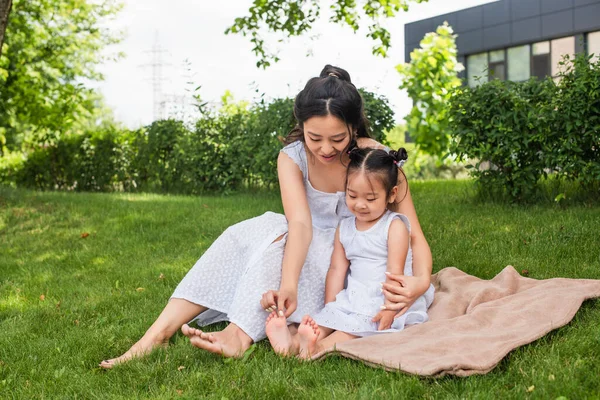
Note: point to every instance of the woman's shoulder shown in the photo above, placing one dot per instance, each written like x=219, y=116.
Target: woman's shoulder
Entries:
x=368, y=142
x=295, y=151
x=293, y=146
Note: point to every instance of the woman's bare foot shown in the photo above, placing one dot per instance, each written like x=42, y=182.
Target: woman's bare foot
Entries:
x=142, y=347
x=279, y=335
x=308, y=334
x=230, y=342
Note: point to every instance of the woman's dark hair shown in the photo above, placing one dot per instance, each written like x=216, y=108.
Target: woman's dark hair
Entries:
x=384, y=165
x=331, y=93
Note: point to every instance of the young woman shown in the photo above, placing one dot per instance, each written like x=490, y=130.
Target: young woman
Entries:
x=279, y=262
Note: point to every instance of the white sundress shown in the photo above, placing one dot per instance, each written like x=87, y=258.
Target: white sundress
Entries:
x=244, y=262
x=355, y=306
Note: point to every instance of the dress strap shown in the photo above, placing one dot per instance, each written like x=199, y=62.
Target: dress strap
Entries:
x=296, y=152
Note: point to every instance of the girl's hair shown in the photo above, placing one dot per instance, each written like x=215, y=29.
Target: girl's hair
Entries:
x=383, y=165
x=331, y=93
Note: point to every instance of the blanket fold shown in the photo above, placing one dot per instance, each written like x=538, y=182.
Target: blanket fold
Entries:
x=474, y=323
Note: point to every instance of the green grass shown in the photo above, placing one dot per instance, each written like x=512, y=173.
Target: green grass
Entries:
x=93, y=306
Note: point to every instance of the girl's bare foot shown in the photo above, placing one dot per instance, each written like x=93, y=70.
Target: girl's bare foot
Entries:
x=142, y=347
x=308, y=333
x=279, y=335
x=230, y=342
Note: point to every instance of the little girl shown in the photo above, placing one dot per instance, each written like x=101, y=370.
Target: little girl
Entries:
x=361, y=244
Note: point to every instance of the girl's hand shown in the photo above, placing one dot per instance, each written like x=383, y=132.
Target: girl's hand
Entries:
x=284, y=301
x=403, y=291
x=385, y=319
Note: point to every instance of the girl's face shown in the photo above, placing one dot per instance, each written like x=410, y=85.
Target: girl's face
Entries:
x=366, y=196
x=326, y=138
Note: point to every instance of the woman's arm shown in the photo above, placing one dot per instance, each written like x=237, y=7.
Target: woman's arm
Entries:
x=337, y=270
x=398, y=234
x=404, y=290
x=297, y=213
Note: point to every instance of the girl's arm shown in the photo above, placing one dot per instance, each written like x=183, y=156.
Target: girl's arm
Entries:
x=297, y=213
x=337, y=270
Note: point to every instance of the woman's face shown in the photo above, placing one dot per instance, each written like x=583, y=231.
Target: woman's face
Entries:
x=326, y=138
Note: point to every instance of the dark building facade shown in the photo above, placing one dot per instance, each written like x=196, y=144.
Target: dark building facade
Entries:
x=516, y=39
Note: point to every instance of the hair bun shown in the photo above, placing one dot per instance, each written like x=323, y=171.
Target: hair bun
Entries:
x=401, y=154
x=354, y=153
x=339, y=73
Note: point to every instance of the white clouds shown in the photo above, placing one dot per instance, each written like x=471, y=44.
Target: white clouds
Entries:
x=194, y=30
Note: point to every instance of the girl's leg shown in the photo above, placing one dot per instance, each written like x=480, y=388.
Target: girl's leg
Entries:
x=176, y=313
x=283, y=337
x=313, y=338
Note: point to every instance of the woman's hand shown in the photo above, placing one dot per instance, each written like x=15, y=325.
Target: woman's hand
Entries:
x=403, y=291
x=284, y=301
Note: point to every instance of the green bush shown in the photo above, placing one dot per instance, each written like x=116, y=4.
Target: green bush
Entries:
x=154, y=155
x=519, y=133
x=575, y=136
x=227, y=150
x=93, y=162
x=504, y=126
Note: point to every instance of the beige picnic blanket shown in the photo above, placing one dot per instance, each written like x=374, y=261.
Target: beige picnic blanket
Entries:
x=474, y=323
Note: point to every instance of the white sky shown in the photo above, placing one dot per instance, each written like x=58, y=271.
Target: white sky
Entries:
x=194, y=30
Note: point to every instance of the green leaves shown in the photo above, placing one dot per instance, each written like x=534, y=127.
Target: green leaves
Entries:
x=228, y=149
x=518, y=133
x=430, y=79
x=50, y=46
x=294, y=18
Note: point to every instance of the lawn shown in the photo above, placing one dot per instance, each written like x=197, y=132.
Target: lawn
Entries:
x=83, y=275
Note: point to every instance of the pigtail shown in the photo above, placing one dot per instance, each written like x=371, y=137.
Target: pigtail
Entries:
x=399, y=156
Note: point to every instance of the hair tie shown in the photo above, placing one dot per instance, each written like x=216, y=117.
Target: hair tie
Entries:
x=400, y=163
x=333, y=74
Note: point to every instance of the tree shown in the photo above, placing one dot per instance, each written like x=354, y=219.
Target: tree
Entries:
x=293, y=18
x=5, y=6
x=429, y=78
x=51, y=47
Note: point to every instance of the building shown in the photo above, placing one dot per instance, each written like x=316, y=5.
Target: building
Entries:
x=516, y=39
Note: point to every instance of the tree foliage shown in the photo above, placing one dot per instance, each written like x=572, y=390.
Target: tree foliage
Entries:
x=429, y=78
x=294, y=18
x=5, y=7
x=51, y=47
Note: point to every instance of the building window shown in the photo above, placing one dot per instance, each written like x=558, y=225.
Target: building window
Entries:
x=497, y=67
x=560, y=48
x=519, y=63
x=477, y=66
x=540, y=59
x=593, y=45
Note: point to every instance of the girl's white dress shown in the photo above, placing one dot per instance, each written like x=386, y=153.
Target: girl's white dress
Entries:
x=355, y=306
x=243, y=262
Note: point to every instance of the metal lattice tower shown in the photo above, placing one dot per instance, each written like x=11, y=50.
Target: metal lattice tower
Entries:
x=157, y=65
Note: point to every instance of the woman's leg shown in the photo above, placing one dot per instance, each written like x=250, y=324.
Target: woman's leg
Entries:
x=230, y=342
x=176, y=313
x=245, y=312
